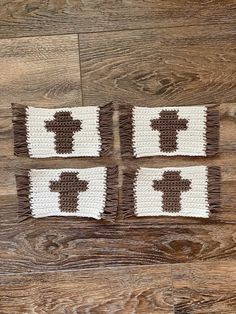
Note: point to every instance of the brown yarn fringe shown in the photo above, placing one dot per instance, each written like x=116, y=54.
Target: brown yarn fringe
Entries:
x=111, y=203
x=19, y=129
x=23, y=192
x=212, y=131
x=214, y=187
x=106, y=129
x=128, y=203
x=126, y=130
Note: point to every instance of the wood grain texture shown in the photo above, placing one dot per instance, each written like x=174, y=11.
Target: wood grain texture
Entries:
x=56, y=244
x=31, y=18
x=193, y=288
x=60, y=265
x=204, y=288
x=132, y=290
x=41, y=71
x=181, y=66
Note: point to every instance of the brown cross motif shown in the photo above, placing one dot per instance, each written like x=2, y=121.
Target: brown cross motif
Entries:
x=69, y=186
x=172, y=185
x=168, y=125
x=64, y=128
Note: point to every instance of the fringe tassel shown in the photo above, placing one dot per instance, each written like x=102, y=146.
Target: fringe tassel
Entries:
x=111, y=203
x=23, y=192
x=126, y=130
x=212, y=131
x=19, y=118
x=128, y=204
x=214, y=187
x=106, y=129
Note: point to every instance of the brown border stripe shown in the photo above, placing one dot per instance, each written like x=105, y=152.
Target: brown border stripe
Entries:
x=126, y=130
x=128, y=203
x=212, y=131
x=214, y=187
x=106, y=129
x=19, y=118
x=23, y=193
x=111, y=202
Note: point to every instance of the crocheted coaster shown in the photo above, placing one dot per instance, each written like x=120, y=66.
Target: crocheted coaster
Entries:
x=170, y=131
x=62, y=132
x=87, y=192
x=182, y=191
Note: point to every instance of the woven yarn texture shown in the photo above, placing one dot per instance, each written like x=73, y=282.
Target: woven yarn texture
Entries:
x=62, y=132
x=169, y=131
x=180, y=191
x=89, y=192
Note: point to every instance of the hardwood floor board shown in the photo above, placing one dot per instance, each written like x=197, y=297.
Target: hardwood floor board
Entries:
x=147, y=289
x=122, y=290
x=204, y=288
x=56, y=244
x=27, y=18
x=182, y=290
x=41, y=71
x=179, y=66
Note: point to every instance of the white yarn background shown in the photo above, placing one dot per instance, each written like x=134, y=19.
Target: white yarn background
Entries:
x=190, y=142
x=87, y=142
x=46, y=203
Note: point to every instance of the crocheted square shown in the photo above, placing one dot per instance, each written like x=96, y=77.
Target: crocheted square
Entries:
x=169, y=131
x=182, y=191
x=63, y=132
x=89, y=192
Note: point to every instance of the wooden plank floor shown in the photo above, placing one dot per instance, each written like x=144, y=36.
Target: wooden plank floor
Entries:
x=32, y=18
x=67, y=53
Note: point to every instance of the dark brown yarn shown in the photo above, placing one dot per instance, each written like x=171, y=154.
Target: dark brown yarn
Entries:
x=168, y=125
x=212, y=131
x=111, y=202
x=214, y=187
x=128, y=204
x=69, y=187
x=126, y=130
x=106, y=129
x=172, y=185
x=64, y=127
x=19, y=118
x=23, y=194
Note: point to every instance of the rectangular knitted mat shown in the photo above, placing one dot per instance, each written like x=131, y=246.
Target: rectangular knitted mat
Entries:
x=181, y=191
x=89, y=192
x=63, y=132
x=169, y=131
